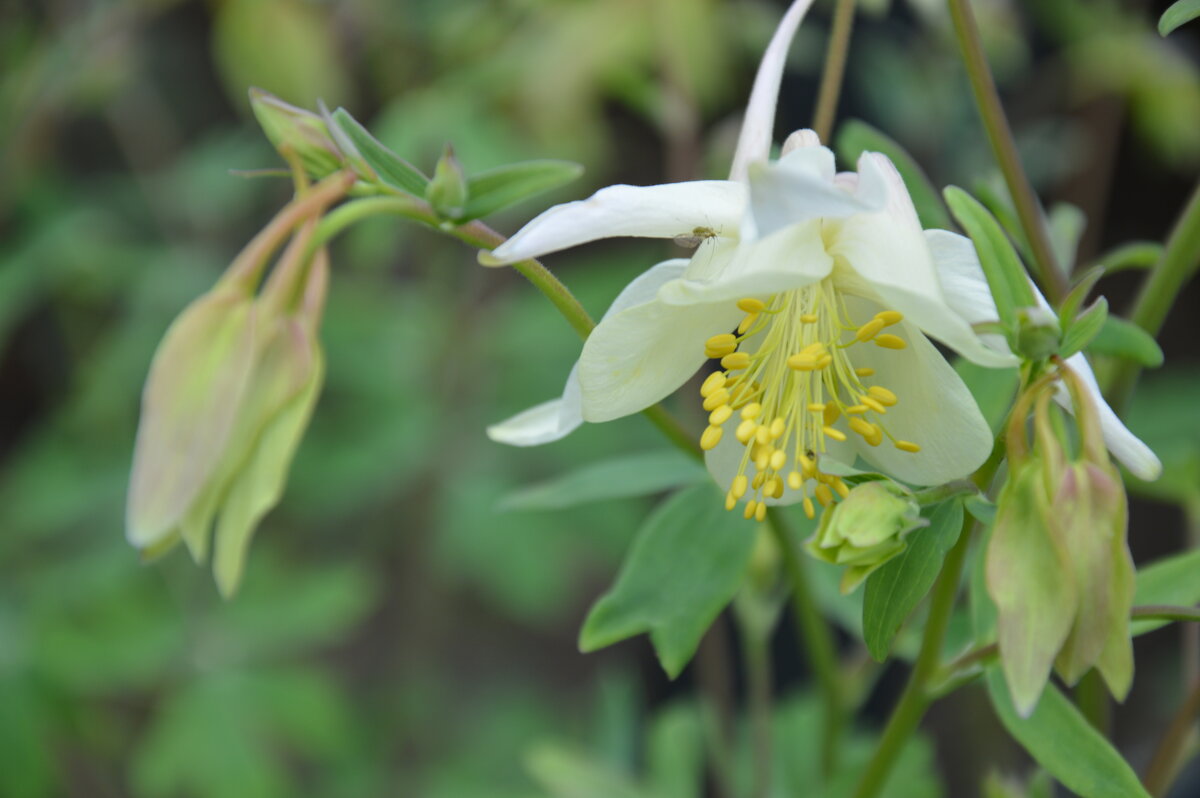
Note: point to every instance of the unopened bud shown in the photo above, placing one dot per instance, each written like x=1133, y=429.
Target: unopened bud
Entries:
x=447, y=190
x=1038, y=333
x=297, y=133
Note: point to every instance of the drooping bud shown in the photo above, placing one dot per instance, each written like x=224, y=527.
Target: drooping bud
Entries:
x=228, y=396
x=447, y=191
x=866, y=529
x=297, y=133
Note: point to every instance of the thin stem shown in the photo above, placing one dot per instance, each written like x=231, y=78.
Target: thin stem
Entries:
x=817, y=638
x=916, y=699
x=835, y=69
x=1165, y=762
x=1178, y=263
x=1000, y=136
x=1163, y=612
x=756, y=659
x=959, y=487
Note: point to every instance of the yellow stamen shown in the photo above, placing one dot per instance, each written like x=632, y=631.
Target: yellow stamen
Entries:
x=869, y=330
x=816, y=407
x=752, y=305
x=808, y=467
x=809, y=318
x=773, y=488
x=841, y=487
x=874, y=404
x=907, y=446
x=745, y=323
x=809, y=510
x=836, y=434
x=877, y=438
x=777, y=428
x=715, y=400
x=760, y=512
x=852, y=409
x=746, y=430
x=889, y=341
x=738, y=489
x=714, y=383
x=890, y=317
x=865, y=372
x=823, y=494
x=751, y=410
x=730, y=501
x=721, y=341
x=778, y=459
x=751, y=506
x=710, y=438
x=802, y=363
x=863, y=428
x=832, y=413
x=883, y=395
x=795, y=480
x=763, y=434
x=738, y=360
x=720, y=415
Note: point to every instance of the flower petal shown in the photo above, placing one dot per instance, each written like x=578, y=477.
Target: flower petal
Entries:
x=1124, y=445
x=663, y=211
x=935, y=410
x=803, y=185
x=543, y=423
x=963, y=282
x=754, y=142
x=791, y=258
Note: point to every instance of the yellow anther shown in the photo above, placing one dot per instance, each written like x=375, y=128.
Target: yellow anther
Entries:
x=859, y=409
x=824, y=361
x=869, y=330
x=716, y=399
x=889, y=341
x=836, y=434
x=714, y=383
x=808, y=318
x=758, y=480
x=710, y=438
x=807, y=466
x=802, y=363
x=908, y=446
x=889, y=317
x=751, y=506
x=832, y=413
x=763, y=459
x=751, y=410
x=778, y=459
x=873, y=403
x=809, y=510
x=795, y=480
x=730, y=501
x=745, y=430
x=770, y=485
x=865, y=372
x=814, y=350
x=720, y=415
x=743, y=392
x=777, y=488
x=841, y=487
x=745, y=323
x=877, y=438
x=777, y=427
x=824, y=494
x=760, y=512
x=883, y=395
x=863, y=428
x=721, y=341
x=763, y=434
x=738, y=488
x=816, y=407
x=751, y=305
x=738, y=360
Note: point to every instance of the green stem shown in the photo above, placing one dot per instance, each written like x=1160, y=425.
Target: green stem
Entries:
x=756, y=659
x=1000, y=136
x=835, y=69
x=959, y=487
x=1178, y=263
x=916, y=698
x=817, y=638
x=1164, y=765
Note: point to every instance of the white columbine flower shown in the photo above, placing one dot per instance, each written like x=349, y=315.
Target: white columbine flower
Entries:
x=832, y=288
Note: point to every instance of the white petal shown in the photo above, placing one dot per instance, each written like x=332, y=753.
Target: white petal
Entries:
x=664, y=211
x=803, y=186
x=1124, y=445
x=754, y=142
x=544, y=423
x=799, y=139
x=636, y=357
x=791, y=258
x=935, y=409
x=963, y=282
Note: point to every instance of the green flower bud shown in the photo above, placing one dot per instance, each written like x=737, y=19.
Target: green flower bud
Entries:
x=229, y=394
x=865, y=530
x=297, y=133
x=447, y=190
x=1038, y=333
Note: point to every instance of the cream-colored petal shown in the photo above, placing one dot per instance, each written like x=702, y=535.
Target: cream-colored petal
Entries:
x=935, y=409
x=802, y=186
x=1124, y=445
x=964, y=284
x=754, y=141
x=544, y=423
x=665, y=211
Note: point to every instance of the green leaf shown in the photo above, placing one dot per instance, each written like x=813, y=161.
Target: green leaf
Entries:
x=632, y=475
x=391, y=168
x=687, y=562
x=981, y=508
x=565, y=773
x=675, y=753
x=1079, y=292
x=1065, y=223
x=503, y=186
x=856, y=137
x=1083, y=330
x=1001, y=265
x=1171, y=580
x=1180, y=12
x=1121, y=338
x=898, y=586
x=1134, y=255
x=1065, y=743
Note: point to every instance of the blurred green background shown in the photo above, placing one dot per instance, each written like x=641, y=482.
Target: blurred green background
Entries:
x=397, y=634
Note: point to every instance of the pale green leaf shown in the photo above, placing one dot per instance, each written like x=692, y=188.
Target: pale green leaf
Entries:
x=1134, y=255
x=1083, y=330
x=631, y=475
x=1171, y=580
x=1065, y=744
x=1121, y=338
x=503, y=186
x=1180, y=12
x=856, y=137
x=893, y=591
x=391, y=168
x=684, y=567
x=564, y=773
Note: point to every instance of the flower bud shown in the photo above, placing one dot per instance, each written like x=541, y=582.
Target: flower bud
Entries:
x=296, y=132
x=1038, y=333
x=447, y=190
x=866, y=529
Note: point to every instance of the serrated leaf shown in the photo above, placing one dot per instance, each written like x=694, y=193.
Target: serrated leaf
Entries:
x=1065, y=743
x=1006, y=276
x=895, y=589
x=391, y=168
x=1083, y=330
x=633, y=475
x=684, y=567
x=503, y=186
x=856, y=137
x=1171, y=580
x=1180, y=12
x=1124, y=339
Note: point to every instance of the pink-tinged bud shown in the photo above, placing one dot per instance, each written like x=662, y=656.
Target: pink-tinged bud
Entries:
x=297, y=133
